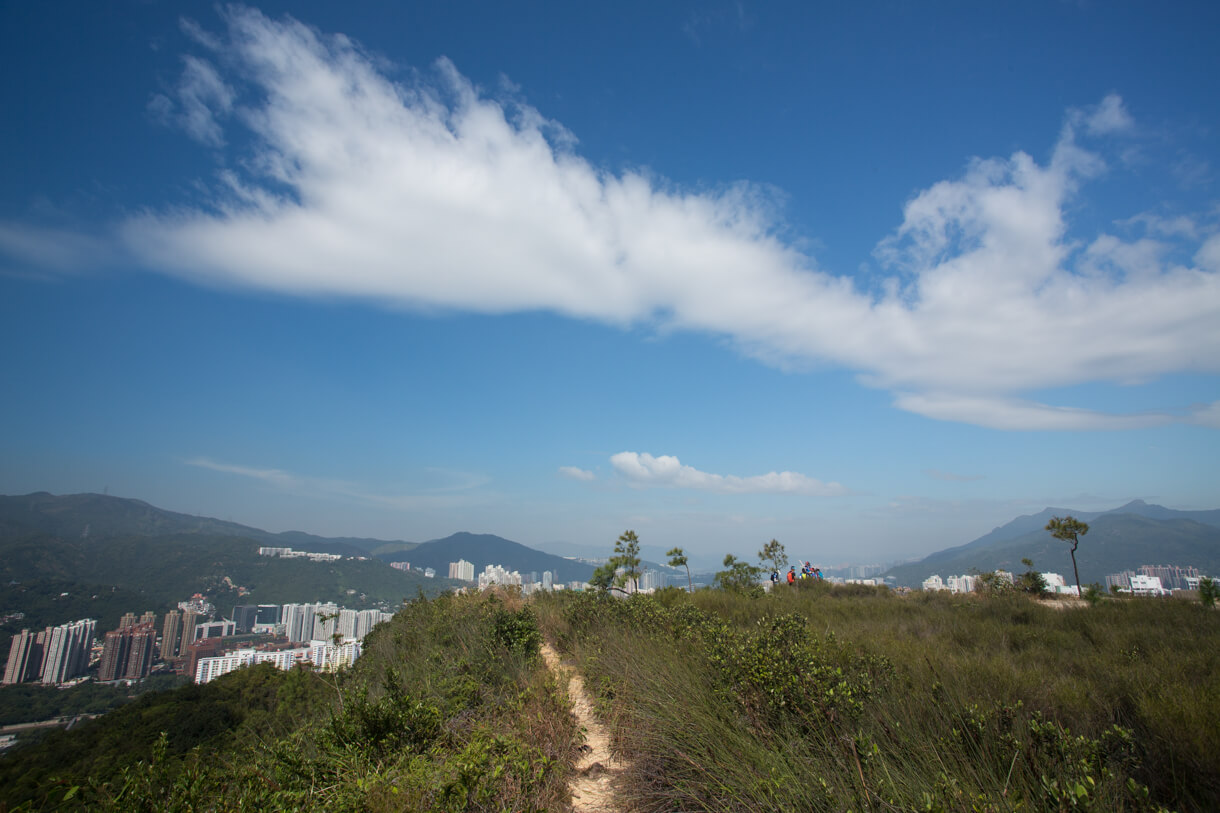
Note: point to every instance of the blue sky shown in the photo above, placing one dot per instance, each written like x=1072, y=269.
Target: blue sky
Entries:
x=868, y=278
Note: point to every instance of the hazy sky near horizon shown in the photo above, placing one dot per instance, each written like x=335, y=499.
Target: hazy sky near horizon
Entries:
x=869, y=278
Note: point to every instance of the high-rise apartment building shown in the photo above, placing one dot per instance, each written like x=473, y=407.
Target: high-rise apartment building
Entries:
x=24, y=657
x=67, y=651
x=115, y=648
x=140, y=653
x=244, y=618
x=461, y=569
x=189, y=620
x=171, y=635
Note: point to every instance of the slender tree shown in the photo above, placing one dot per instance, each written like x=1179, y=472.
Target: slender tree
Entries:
x=1069, y=529
x=774, y=553
x=627, y=556
x=677, y=558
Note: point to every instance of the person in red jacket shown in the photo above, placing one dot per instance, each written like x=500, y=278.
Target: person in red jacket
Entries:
x=792, y=575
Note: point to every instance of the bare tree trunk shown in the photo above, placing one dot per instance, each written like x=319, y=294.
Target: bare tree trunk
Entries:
x=1075, y=571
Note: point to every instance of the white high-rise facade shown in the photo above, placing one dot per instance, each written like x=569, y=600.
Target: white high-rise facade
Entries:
x=67, y=651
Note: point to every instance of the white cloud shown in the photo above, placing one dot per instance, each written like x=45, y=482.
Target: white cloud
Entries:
x=642, y=469
x=433, y=195
x=1008, y=413
x=1110, y=116
x=574, y=473
x=203, y=100
x=54, y=249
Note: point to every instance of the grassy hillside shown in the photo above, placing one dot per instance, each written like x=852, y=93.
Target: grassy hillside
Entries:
x=856, y=699
x=449, y=709
x=812, y=698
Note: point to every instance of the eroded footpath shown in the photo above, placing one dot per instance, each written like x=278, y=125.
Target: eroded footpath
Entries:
x=597, y=773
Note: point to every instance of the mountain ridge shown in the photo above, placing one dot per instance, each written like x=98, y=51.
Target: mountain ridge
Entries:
x=1119, y=539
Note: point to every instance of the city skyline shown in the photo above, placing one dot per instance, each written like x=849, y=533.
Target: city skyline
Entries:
x=869, y=280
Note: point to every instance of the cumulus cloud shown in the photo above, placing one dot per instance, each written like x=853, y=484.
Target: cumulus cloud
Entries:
x=431, y=194
x=642, y=469
x=574, y=473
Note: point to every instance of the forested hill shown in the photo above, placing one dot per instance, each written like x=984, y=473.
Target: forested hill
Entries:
x=487, y=549
x=83, y=516
x=1135, y=534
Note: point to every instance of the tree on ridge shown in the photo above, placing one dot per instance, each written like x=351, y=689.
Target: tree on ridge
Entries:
x=1069, y=529
x=677, y=558
x=627, y=556
x=774, y=553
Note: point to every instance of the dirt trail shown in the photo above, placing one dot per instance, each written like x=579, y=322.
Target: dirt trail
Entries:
x=593, y=787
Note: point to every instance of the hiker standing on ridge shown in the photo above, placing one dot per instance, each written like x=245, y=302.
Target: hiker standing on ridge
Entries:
x=792, y=575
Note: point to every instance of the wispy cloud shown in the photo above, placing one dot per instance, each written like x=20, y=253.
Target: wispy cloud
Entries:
x=305, y=486
x=642, y=469
x=432, y=194
x=574, y=473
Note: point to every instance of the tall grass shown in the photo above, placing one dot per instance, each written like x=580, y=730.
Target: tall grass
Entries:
x=833, y=699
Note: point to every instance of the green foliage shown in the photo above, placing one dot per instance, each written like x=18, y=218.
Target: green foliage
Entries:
x=603, y=577
x=31, y=702
x=1031, y=581
x=1209, y=591
x=992, y=583
x=627, y=556
x=677, y=558
x=739, y=576
x=774, y=555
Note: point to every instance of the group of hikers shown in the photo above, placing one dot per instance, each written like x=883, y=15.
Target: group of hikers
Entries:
x=807, y=572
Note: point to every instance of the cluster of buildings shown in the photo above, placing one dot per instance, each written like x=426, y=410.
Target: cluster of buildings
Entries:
x=1149, y=580
x=324, y=636
x=1155, y=580
x=289, y=553
x=500, y=575
x=428, y=572
x=52, y=656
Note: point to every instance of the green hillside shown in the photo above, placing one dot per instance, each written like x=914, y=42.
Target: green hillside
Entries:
x=85, y=516
x=137, y=573
x=1115, y=542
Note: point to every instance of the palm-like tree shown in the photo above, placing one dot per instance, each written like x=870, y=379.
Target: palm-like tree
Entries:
x=1069, y=529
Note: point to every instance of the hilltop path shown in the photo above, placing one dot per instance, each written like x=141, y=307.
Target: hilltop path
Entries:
x=593, y=787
